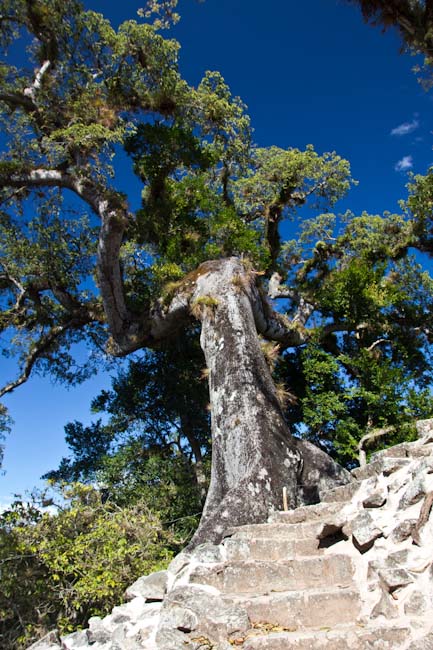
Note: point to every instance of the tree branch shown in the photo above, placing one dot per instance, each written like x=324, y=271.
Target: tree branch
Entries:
x=40, y=348
x=278, y=291
x=32, y=90
x=18, y=286
x=18, y=100
x=112, y=210
x=371, y=435
x=375, y=344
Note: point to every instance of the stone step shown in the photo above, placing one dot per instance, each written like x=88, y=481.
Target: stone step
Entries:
x=262, y=577
x=302, y=609
x=270, y=548
x=342, y=493
x=382, y=465
x=404, y=450
x=307, y=530
x=342, y=637
x=305, y=513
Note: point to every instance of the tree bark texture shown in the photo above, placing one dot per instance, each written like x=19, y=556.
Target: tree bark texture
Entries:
x=253, y=454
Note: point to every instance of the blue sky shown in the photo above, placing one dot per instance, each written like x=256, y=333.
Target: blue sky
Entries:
x=309, y=72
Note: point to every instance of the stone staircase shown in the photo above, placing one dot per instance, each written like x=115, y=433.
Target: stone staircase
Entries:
x=354, y=572
x=341, y=574
x=297, y=592
x=303, y=595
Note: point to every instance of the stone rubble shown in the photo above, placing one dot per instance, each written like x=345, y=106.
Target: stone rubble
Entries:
x=352, y=572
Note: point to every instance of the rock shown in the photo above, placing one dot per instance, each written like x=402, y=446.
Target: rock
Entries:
x=381, y=463
x=364, y=531
x=302, y=514
x=75, y=640
x=353, y=637
x=415, y=491
x=375, y=500
x=418, y=603
x=207, y=553
x=122, y=613
x=261, y=576
x=402, y=531
x=342, y=493
x=392, y=579
x=422, y=451
x=124, y=640
x=270, y=548
x=201, y=610
x=150, y=587
x=173, y=639
x=385, y=606
x=296, y=582
x=319, y=473
x=149, y=611
x=179, y=562
x=425, y=429
x=423, y=643
x=97, y=633
x=425, y=465
x=51, y=640
x=391, y=465
x=303, y=609
x=398, y=558
x=367, y=471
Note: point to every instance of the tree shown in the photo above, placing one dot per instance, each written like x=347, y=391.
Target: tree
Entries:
x=204, y=250
x=60, y=568
x=155, y=447
x=413, y=19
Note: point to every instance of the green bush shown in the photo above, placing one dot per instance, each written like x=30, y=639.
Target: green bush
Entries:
x=60, y=566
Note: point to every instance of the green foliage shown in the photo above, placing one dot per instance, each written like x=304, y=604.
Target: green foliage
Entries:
x=356, y=292
x=156, y=437
x=346, y=390
x=162, y=11
x=5, y=428
x=58, y=569
x=163, y=480
x=84, y=92
x=289, y=177
x=419, y=208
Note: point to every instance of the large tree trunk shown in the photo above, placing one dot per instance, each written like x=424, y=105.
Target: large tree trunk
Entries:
x=253, y=454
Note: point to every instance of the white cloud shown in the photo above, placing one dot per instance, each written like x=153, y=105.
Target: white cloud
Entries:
x=405, y=128
x=404, y=164
x=5, y=503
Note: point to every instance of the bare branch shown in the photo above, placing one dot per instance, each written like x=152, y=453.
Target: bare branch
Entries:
x=274, y=326
x=278, y=291
x=40, y=348
x=32, y=90
x=303, y=313
x=375, y=344
x=111, y=209
x=17, y=284
x=43, y=346
x=371, y=435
